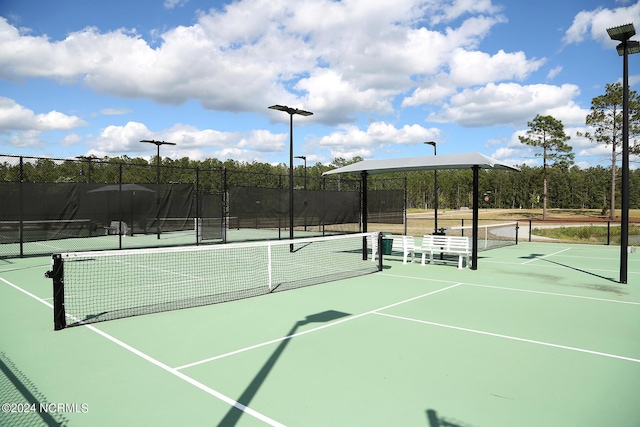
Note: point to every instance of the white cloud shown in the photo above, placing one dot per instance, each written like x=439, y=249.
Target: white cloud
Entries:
x=429, y=93
x=354, y=56
x=70, y=139
x=594, y=23
x=510, y=104
x=16, y=117
x=26, y=139
x=190, y=141
x=470, y=68
x=114, y=111
x=345, y=60
x=170, y=4
x=350, y=141
x=115, y=140
x=449, y=11
x=554, y=72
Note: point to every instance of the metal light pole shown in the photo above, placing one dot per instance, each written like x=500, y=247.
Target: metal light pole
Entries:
x=305, y=188
x=291, y=112
x=304, y=158
x=88, y=159
x=435, y=189
x=158, y=144
x=626, y=47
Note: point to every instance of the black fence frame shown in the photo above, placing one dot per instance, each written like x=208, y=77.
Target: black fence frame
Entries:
x=46, y=199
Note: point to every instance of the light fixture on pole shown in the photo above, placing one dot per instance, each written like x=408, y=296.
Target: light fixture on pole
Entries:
x=291, y=112
x=304, y=158
x=626, y=47
x=435, y=189
x=158, y=144
x=88, y=159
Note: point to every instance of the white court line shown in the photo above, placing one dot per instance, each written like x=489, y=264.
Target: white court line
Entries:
x=590, y=270
x=564, y=347
x=357, y=316
x=545, y=256
x=35, y=297
x=514, y=289
x=163, y=366
x=553, y=294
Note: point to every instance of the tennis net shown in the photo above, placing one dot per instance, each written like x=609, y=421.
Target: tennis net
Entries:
x=490, y=236
x=92, y=287
x=40, y=230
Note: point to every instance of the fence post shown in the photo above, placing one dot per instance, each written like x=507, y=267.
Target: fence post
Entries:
x=21, y=221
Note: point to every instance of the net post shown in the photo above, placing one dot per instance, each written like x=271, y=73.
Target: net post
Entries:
x=57, y=274
x=269, y=268
x=380, y=262
x=364, y=248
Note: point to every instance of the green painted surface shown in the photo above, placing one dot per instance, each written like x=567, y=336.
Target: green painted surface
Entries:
x=540, y=334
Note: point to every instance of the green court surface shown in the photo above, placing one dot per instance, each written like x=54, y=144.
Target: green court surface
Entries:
x=541, y=334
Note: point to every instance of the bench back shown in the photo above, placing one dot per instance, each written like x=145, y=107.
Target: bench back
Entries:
x=452, y=242
x=401, y=243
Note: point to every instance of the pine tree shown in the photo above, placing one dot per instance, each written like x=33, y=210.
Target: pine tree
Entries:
x=606, y=121
x=547, y=132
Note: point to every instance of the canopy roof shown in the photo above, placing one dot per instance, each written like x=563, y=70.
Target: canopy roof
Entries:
x=474, y=161
x=446, y=161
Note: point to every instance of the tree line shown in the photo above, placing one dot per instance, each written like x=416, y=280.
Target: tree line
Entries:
x=569, y=187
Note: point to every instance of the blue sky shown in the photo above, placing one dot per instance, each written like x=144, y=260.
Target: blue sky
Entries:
x=82, y=78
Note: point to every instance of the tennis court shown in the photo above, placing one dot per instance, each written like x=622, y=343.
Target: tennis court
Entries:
x=540, y=334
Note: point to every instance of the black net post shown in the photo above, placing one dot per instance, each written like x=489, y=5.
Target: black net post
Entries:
x=21, y=213
x=57, y=274
x=364, y=211
x=199, y=217
x=364, y=248
x=120, y=206
x=380, y=261
x=226, y=213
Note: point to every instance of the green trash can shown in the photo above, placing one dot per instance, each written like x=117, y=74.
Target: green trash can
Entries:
x=387, y=244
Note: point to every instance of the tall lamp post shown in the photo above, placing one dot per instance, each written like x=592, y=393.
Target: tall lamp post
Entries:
x=291, y=112
x=88, y=159
x=304, y=158
x=435, y=189
x=158, y=144
x=626, y=47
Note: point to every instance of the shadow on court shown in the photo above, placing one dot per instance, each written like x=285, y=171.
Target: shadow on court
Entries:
x=30, y=404
x=234, y=414
x=440, y=421
x=611, y=279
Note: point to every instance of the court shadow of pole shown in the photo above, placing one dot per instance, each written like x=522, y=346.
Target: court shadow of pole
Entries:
x=437, y=421
x=580, y=270
x=234, y=414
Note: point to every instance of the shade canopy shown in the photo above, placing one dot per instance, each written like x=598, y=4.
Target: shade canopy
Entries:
x=122, y=187
x=473, y=161
x=445, y=161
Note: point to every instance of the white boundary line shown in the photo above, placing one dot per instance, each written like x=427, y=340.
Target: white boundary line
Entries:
x=554, y=294
x=515, y=289
x=357, y=316
x=35, y=297
x=491, y=334
x=545, y=256
x=163, y=366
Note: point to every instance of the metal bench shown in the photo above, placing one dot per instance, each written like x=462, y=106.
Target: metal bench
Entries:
x=117, y=227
